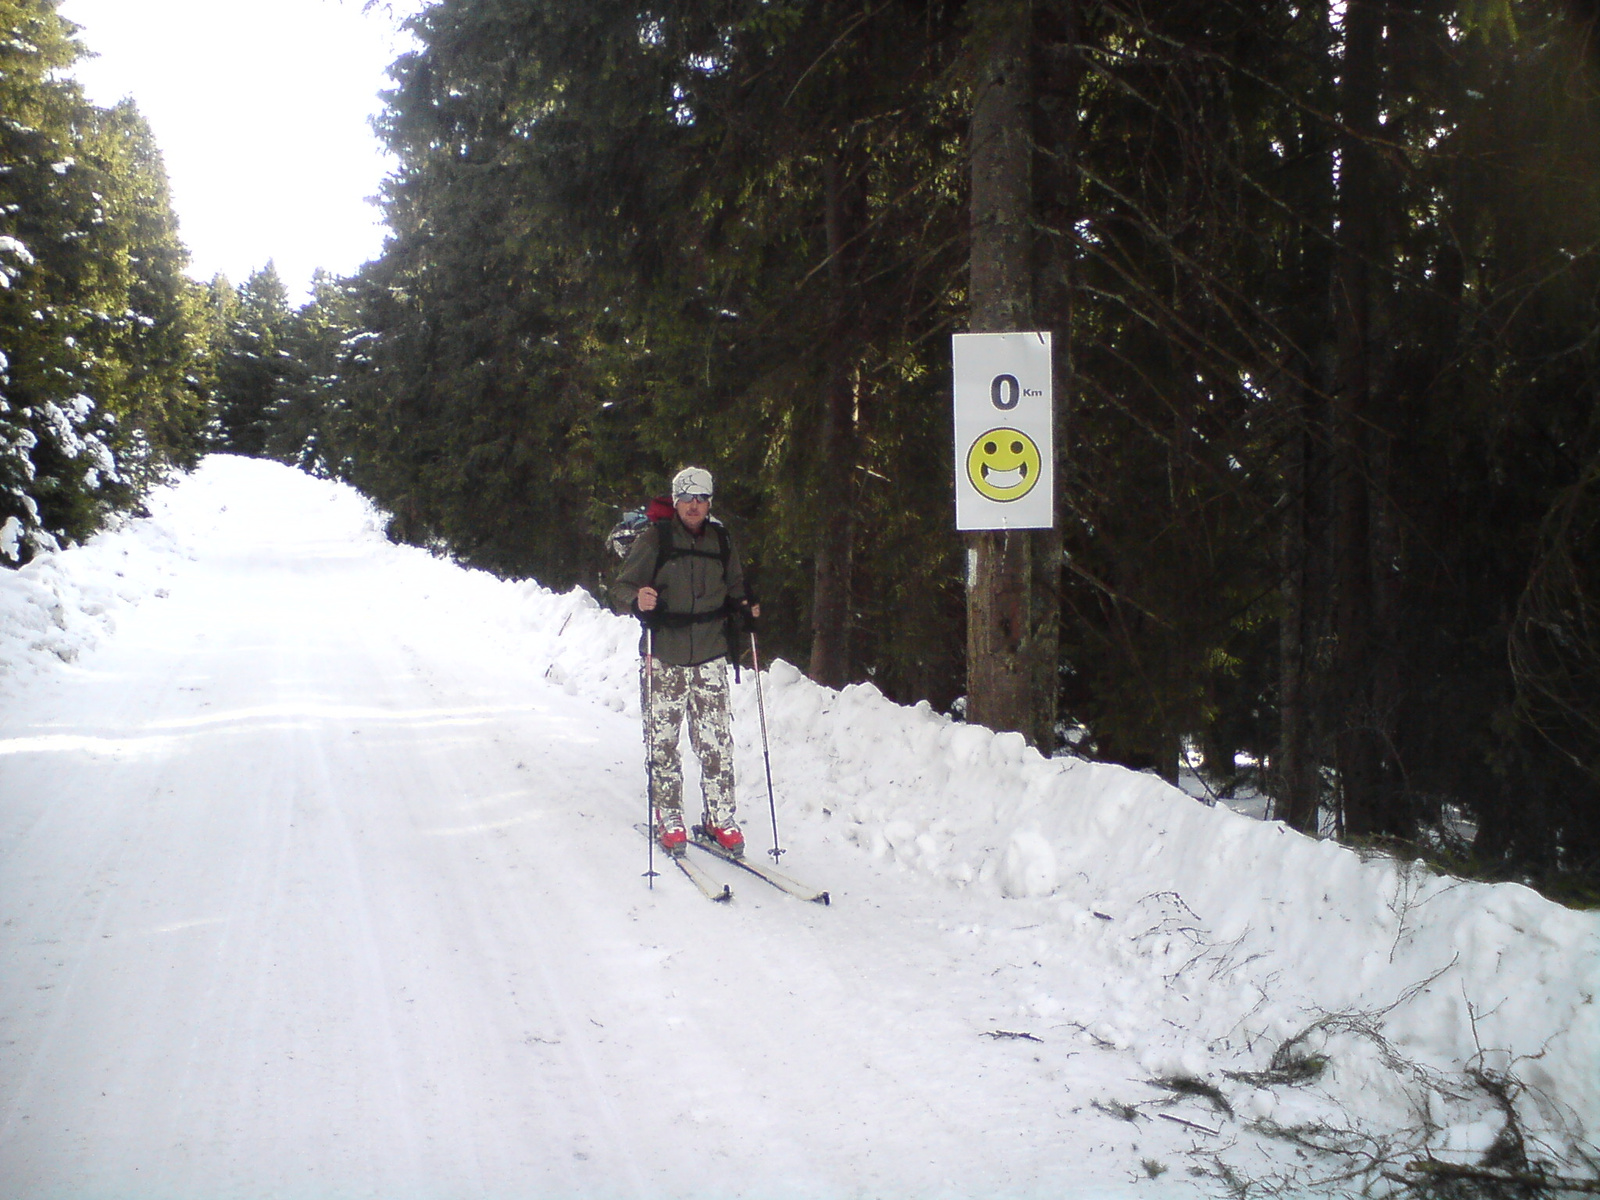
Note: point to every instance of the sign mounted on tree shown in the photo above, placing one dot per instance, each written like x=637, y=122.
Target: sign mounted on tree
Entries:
x=1005, y=431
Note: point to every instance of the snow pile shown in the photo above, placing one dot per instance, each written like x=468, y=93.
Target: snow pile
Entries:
x=63, y=602
x=1237, y=953
x=1254, y=939
x=1249, y=934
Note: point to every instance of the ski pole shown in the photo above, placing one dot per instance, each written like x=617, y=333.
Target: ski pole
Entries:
x=649, y=756
x=766, y=752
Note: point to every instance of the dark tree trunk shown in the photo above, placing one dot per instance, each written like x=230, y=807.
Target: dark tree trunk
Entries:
x=845, y=217
x=1013, y=604
x=1002, y=171
x=1306, y=388
x=1358, y=740
x=1295, y=769
x=835, y=559
x=1057, y=176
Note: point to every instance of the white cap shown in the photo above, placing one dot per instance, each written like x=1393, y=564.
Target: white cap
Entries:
x=691, y=481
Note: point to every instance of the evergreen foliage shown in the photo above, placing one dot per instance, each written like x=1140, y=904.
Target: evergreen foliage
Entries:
x=574, y=304
x=309, y=393
x=103, y=343
x=1325, y=282
x=256, y=364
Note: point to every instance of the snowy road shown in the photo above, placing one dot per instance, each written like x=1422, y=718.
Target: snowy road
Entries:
x=309, y=890
x=318, y=880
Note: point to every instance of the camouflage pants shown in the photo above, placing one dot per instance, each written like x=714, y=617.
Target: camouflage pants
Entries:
x=703, y=692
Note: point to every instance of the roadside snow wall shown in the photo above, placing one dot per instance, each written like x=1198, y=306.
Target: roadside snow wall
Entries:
x=1255, y=932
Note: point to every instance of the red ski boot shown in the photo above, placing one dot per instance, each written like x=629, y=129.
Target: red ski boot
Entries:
x=673, y=837
x=727, y=836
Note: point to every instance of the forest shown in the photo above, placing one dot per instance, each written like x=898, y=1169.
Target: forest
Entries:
x=1324, y=288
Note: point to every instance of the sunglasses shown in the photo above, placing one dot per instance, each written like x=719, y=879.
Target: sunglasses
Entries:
x=696, y=496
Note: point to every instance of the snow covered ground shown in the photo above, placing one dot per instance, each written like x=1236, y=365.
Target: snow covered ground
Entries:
x=317, y=879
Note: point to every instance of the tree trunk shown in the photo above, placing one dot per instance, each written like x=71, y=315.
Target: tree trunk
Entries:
x=845, y=216
x=1294, y=774
x=1056, y=261
x=835, y=557
x=1013, y=595
x=1358, y=743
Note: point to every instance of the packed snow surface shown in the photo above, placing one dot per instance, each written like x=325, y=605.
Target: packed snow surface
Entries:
x=318, y=878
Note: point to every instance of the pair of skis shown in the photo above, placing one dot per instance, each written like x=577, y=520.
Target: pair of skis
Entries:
x=708, y=886
x=722, y=893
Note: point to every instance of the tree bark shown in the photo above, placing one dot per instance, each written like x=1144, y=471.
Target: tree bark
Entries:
x=1013, y=593
x=1357, y=742
x=835, y=556
x=845, y=216
x=1294, y=774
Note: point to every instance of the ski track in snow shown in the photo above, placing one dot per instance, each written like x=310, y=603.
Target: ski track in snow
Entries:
x=317, y=880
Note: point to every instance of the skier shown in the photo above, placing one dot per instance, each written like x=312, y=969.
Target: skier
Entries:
x=682, y=578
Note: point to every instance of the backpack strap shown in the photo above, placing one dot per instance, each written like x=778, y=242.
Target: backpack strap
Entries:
x=666, y=551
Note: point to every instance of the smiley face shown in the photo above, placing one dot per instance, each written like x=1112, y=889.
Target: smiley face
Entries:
x=1003, y=464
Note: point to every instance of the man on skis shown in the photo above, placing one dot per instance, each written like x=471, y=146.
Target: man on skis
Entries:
x=683, y=579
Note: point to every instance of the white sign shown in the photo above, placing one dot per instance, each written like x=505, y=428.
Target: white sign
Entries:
x=1005, y=431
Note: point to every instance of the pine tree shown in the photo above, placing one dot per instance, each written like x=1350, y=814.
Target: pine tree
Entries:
x=256, y=364
x=100, y=388
x=156, y=350
x=305, y=419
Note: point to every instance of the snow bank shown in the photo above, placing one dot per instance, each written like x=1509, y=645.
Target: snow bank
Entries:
x=62, y=603
x=1250, y=932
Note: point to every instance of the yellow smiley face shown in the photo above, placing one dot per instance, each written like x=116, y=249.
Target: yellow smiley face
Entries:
x=1003, y=464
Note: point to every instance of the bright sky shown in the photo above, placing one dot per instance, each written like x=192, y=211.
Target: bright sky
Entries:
x=261, y=110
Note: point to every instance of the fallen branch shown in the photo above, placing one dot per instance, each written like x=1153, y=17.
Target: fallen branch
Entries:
x=1189, y=1124
x=1432, y=1171
x=1188, y=1085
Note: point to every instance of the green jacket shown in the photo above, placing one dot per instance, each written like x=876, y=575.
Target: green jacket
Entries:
x=695, y=591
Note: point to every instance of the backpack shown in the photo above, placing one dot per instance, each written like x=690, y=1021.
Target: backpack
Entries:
x=634, y=522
